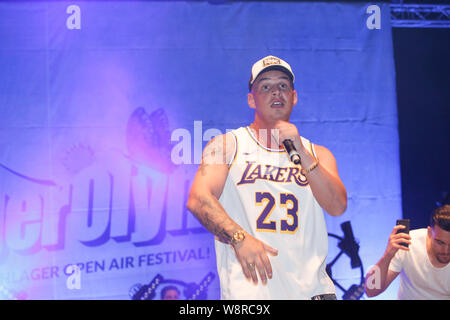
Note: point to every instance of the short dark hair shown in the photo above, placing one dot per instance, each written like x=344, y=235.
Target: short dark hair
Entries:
x=282, y=69
x=441, y=217
x=167, y=288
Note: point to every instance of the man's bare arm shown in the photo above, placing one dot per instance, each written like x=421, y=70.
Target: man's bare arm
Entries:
x=203, y=202
x=381, y=269
x=324, y=179
x=207, y=187
x=325, y=182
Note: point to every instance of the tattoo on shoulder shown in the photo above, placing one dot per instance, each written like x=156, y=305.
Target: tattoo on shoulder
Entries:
x=219, y=150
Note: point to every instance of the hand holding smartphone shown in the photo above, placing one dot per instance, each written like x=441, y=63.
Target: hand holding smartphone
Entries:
x=405, y=223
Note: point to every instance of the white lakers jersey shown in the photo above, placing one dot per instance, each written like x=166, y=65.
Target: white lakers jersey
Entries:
x=270, y=198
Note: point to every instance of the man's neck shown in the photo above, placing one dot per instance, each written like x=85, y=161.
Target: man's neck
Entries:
x=266, y=135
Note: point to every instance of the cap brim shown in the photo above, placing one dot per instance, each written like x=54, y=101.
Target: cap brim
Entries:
x=269, y=68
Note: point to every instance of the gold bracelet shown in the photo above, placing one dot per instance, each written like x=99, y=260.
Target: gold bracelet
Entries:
x=312, y=167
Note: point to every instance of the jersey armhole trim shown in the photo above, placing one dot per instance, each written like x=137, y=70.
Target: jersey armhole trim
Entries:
x=313, y=152
x=230, y=164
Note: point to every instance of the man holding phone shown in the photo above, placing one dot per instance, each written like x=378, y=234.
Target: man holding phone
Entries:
x=421, y=258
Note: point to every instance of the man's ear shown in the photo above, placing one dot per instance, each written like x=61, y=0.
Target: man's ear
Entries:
x=251, y=101
x=295, y=98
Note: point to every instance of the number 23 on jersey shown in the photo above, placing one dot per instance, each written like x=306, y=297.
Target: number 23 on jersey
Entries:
x=287, y=201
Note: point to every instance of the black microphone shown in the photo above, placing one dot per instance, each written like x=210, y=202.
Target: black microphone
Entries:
x=293, y=154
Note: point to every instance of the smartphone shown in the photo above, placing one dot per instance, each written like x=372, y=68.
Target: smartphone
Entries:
x=404, y=222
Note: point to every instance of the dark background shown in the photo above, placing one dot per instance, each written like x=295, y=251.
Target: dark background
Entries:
x=422, y=63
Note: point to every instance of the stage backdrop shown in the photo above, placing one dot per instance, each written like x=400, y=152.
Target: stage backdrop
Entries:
x=104, y=110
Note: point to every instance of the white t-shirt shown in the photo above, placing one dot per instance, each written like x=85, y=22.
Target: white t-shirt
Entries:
x=419, y=279
x=271, y=199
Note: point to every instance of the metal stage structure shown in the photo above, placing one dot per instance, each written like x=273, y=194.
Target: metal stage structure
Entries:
x=420, y=15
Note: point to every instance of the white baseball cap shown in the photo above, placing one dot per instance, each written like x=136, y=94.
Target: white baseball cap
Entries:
x=269, y=63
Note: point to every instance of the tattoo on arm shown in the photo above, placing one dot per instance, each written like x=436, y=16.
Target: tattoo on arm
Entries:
x=208, y=213
x=218, y=151
x=206, y=207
